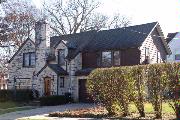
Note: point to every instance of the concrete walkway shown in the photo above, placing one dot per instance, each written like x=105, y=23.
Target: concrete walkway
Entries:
x=43, y=111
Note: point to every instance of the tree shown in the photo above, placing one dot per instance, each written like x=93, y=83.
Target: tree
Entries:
x=16, y=24
x=20, y=17
x=72, y=16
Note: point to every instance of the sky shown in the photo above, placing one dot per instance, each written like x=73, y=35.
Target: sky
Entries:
x=166, y=12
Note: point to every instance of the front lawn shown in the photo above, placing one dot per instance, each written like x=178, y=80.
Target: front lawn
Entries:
x=10, y=106
x=100, y=112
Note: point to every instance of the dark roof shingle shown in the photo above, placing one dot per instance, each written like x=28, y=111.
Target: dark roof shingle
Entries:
x=57, y=69
x=121, y=38
x=170, y=36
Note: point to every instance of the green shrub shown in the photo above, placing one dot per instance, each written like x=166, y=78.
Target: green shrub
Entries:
x=54, y=100
x=20, y=95
x=121, y=85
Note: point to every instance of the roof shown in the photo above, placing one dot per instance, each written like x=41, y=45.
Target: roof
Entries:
x=170, y=36
x=20, y=49
x=84, y=72
x=56, y=68
x=121, y=38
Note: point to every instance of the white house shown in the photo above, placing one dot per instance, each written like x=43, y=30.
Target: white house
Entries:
x=173, y=40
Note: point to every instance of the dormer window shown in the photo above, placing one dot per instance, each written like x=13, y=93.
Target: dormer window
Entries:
x=29, y=59
x=61, y=57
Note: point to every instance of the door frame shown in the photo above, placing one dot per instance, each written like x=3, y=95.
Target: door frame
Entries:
x=47, y=86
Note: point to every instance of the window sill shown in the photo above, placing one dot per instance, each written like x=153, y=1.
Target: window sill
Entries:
x=28, y=66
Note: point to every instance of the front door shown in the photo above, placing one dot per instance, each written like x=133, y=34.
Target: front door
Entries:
x=47, y=86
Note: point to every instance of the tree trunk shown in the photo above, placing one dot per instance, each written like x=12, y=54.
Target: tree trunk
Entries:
x=177, y=112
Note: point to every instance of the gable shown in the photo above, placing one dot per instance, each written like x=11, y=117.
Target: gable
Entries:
x=26, y=44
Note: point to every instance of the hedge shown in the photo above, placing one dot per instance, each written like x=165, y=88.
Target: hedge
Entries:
x=19, y=95
x=55, y=100
x=118, y=86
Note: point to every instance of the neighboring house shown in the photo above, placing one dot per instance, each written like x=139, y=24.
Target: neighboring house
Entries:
x=60, y=64
x=3, y=81
x=173, y=40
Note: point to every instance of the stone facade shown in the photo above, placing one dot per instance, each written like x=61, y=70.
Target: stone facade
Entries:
x=19, y=75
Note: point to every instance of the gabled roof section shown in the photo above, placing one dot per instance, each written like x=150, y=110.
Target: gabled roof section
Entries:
x=170, y=36
x=56, y=68
x=28, y=39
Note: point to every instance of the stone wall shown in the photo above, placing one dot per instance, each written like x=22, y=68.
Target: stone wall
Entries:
x=75, y=64
x=16, y=69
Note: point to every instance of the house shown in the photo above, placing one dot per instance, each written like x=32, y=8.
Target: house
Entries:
x=60, y=64
x=173, y=40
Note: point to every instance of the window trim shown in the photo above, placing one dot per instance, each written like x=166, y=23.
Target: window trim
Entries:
x=29, y=54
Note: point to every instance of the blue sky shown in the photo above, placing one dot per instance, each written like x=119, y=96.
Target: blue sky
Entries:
x=166, y=12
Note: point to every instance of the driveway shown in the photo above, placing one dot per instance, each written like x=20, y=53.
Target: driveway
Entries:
x=43, y=111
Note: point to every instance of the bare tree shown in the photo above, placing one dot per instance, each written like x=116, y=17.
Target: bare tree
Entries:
x=72, y=16
x=20, y=17
x=16, y=24
x=118, y=21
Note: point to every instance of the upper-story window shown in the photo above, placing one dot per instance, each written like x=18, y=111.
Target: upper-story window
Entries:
x=147, y=53
x=29, y=59
x=110, y=58
x=117, y=58
x=61, y=57
x=106, y=58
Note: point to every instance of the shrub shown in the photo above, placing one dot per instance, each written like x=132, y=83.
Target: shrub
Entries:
x=6, y=95
x=137, y=79
x=54, y=100
x=121, y=85
x=20, y=95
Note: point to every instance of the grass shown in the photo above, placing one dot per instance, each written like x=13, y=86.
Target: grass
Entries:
x=149, y=108
x=100, y=112
x=10, y=106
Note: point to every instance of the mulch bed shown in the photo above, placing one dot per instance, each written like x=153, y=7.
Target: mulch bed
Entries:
x=100, y=112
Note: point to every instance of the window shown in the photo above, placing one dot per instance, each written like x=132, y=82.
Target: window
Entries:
x=61, y=82
x=61, y=57
x=177, y=57
x=29, y=59
x=146, y=52
x=116, y=57
x=98, y=59
x=106, y=59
